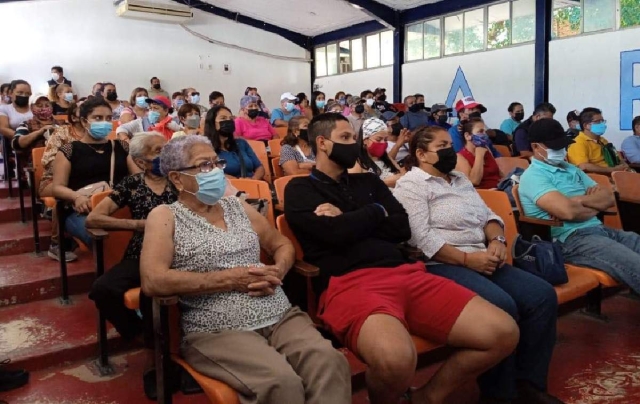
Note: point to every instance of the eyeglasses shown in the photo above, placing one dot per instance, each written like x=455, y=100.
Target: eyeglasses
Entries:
x=207, y=166
x=600, y=121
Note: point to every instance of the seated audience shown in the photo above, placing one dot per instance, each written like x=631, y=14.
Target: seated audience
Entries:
x=241, y=160
x=551, y=187
x=516, y=115
x=37, y=130
x=296, y=155
x=5, y=98
x=370, y=111
x=57, y=77
x=216, y=98
x=357, y=115
x=61, y=96
x=265, y=349
x=156, y=89
x=97, y=90
x=192, y=96
x=334, y=107
x=591, y=152
x=381, y=103
x=177, y=101
x=137, y=108
x=264, y=111
x=251, y=125
x=475, y=160
x=111, y=95
x=573, y=120
x=302, y=105
x=160, y=118
x=373, y=155
x=87, y=162
x=189, y=117
x=466, y=108
x=521, y=143
x=341, y=98
x=416, y=116
x=18, y=111
x=371, y=296
x=439, y=116
x=454, y=228
x=398, y=138
x=631, y=145
x=281, y=116
x=141, y=193
x=318, y=103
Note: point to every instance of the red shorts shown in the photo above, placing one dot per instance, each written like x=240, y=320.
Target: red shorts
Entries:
x=427, y=305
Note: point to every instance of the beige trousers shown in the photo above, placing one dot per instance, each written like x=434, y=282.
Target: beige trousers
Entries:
x=286, y=363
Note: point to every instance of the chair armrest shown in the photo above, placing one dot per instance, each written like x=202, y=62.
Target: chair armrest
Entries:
x=98, y=234
x=305, y=269
x=540, y=222
x=166, y=300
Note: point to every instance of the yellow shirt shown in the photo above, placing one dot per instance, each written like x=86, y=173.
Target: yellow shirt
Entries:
x=587, y=150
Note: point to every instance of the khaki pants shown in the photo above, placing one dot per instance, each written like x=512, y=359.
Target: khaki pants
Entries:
x=286, y=363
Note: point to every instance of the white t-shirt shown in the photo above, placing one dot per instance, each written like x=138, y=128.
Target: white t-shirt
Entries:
x=402, y=153
x=15, y=118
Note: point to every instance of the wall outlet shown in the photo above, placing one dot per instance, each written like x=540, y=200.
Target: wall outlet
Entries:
x=209, y=66
x=226, y=69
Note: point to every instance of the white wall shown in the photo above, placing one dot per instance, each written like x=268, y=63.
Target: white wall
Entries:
x=585, y=71
x=355, y=83
x=495, y=78
x=92, y=44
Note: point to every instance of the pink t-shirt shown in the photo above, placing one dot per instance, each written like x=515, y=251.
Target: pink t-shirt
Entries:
x=261, y=129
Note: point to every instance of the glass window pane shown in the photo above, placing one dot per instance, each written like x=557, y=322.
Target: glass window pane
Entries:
x=498, y=27
x=474, y=30
x=345, y=57
x=629, y=13
x=332, y=59
x=373, y=51
x=599, y=15
x=321, y=61
x=357, y=54
x=414, y=42
x=567, y=17
x=453, y=34
x=386, y=48
x=523, y=21
x=432, y=39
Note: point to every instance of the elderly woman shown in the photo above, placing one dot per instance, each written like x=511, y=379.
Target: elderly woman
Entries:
x=373, y=155
x=251, y=125
x=140, y=192
x=464, y=240
x=238, y=324
x=296, y=155
x=475, y=159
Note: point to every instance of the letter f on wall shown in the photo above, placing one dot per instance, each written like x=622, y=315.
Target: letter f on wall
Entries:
x=459, y=84
x=628, y=92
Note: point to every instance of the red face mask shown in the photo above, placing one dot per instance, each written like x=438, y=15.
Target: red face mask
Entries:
x=377, y=149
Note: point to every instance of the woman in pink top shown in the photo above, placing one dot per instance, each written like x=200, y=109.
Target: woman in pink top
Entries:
x=250, y=125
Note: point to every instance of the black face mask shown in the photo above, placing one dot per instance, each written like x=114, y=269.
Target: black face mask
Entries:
x=420, y=105
x=253, y=113
x=345, y=155
x=415, y=108
x=359, y=109
x=475, y=115
x=447, y=160
x=227, y=128
x=519, y=116
x=156, y=86
x=382, y=97
x=304, y=135
x=113, y=96
x=442, y=119
x=21, y=101
x=396, y=128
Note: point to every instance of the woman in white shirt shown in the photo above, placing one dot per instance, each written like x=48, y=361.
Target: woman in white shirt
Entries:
x=464, y=241
x=296, y=155
x=14, y=114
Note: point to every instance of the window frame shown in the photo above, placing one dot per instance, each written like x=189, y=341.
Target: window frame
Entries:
x=616, y=23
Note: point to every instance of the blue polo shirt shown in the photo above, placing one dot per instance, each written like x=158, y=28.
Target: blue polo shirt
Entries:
x=509, y=126
x=631, y=149
x=458, y=142
x=279, y=113
x=541, y=178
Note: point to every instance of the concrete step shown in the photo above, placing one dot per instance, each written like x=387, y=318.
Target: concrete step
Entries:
x=17, y=237
x=10, y=209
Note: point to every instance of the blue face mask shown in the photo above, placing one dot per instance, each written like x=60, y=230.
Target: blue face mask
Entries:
x=211, y=186
x=142, y=102
x=556, y=157
x=195, y=99
x=179, y=103
x=320, y=103
x=289, y=106
x=480, y=140
x=68, y=97
x=156, y=167
x=100, y=130
x=578, y=127
x=598, y=129
x=153, y=117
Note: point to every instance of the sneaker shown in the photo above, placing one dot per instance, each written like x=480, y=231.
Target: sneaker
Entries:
x=54, y=253
x=12, y=379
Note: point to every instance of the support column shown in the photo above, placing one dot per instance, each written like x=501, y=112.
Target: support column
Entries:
x=398, y=57
x=312, y=66
x=544, y=9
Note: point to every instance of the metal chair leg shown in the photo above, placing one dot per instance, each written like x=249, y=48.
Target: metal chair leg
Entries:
x=104, y=367
x=163, y=358
x=34, y=216
x=23, y=210
x=62, y=251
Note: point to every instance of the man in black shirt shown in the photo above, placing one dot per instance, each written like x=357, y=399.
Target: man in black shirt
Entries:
x=371, y=296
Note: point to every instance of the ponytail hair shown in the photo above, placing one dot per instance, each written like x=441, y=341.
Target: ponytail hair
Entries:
x=421, y=139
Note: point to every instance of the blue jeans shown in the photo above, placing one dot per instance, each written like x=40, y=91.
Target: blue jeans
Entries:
x=74, y=225
x=615, y=252
x=533, y=303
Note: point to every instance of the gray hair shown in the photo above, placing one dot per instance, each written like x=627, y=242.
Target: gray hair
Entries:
x=175, y=154
x=246, y=100
x=138, y=143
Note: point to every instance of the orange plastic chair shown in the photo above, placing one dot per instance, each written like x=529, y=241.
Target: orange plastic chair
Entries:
x=627, y=185
x=613, y=218
x=38, y=170
x=503, y=150
x=280, y=184
x=276, y=168
x=261, y=152
x=507, y=164
x=256, y=189
x=275, y=146
x=61, y=119
x=281, y=131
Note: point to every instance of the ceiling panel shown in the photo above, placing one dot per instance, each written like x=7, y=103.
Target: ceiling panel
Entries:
x=308, y=17
x=405, y=4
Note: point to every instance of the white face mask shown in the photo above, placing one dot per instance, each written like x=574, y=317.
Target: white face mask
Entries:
x=55, y=76
x=370, y=102
x=555, y=157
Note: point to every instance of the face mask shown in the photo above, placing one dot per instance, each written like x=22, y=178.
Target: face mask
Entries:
x=447, y=160
x=480, y=140
x=598, y=129
x=179, y=103
x=370, y=102
x=442, y=119
x=396, y=128
x=420, y=106
x=100, y=130
x=192, y=121
x=142, y=102
x=211, y=186
x=382, y=98
x=578, y=127
x=22, y=101
x=377, y=149
x=55, y=76
x=156, y=167
x=195, y=99
x=289, y=106
x=112, y=96
x=253, y=113
x=519, y=116
x=342, y=101
x=304, y=135
x=227, y=128
x=320, y=103
x=153, y=117
x=43, y=114
x=415, y=108
x=475, y=115
x=555, y=157
x=6, y=99
x=156, y=86
x=344, y=155
x=359, y=109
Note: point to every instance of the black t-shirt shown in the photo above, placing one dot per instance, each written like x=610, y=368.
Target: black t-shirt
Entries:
x=58, y=110
x=92, y=163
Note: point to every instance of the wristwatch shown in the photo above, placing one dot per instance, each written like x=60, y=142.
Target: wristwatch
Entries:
x=500, y=239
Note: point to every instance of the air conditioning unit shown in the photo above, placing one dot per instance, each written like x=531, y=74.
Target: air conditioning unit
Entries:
x=144, y=10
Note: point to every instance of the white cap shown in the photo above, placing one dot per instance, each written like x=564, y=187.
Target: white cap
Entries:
x=288, y=96
x=35, y=97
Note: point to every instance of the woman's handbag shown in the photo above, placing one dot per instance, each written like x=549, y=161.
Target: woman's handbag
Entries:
x=101, y=186
x=541, y=258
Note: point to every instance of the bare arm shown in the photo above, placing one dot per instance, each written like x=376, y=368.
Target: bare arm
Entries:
x=477, y=171
x=100, y=218
x=259, y=173
x=5, y=129
x=292, y=167
x=280, y=123
x=592, y=168
x=597, y=198
x=25, y=140
x=563, y=208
